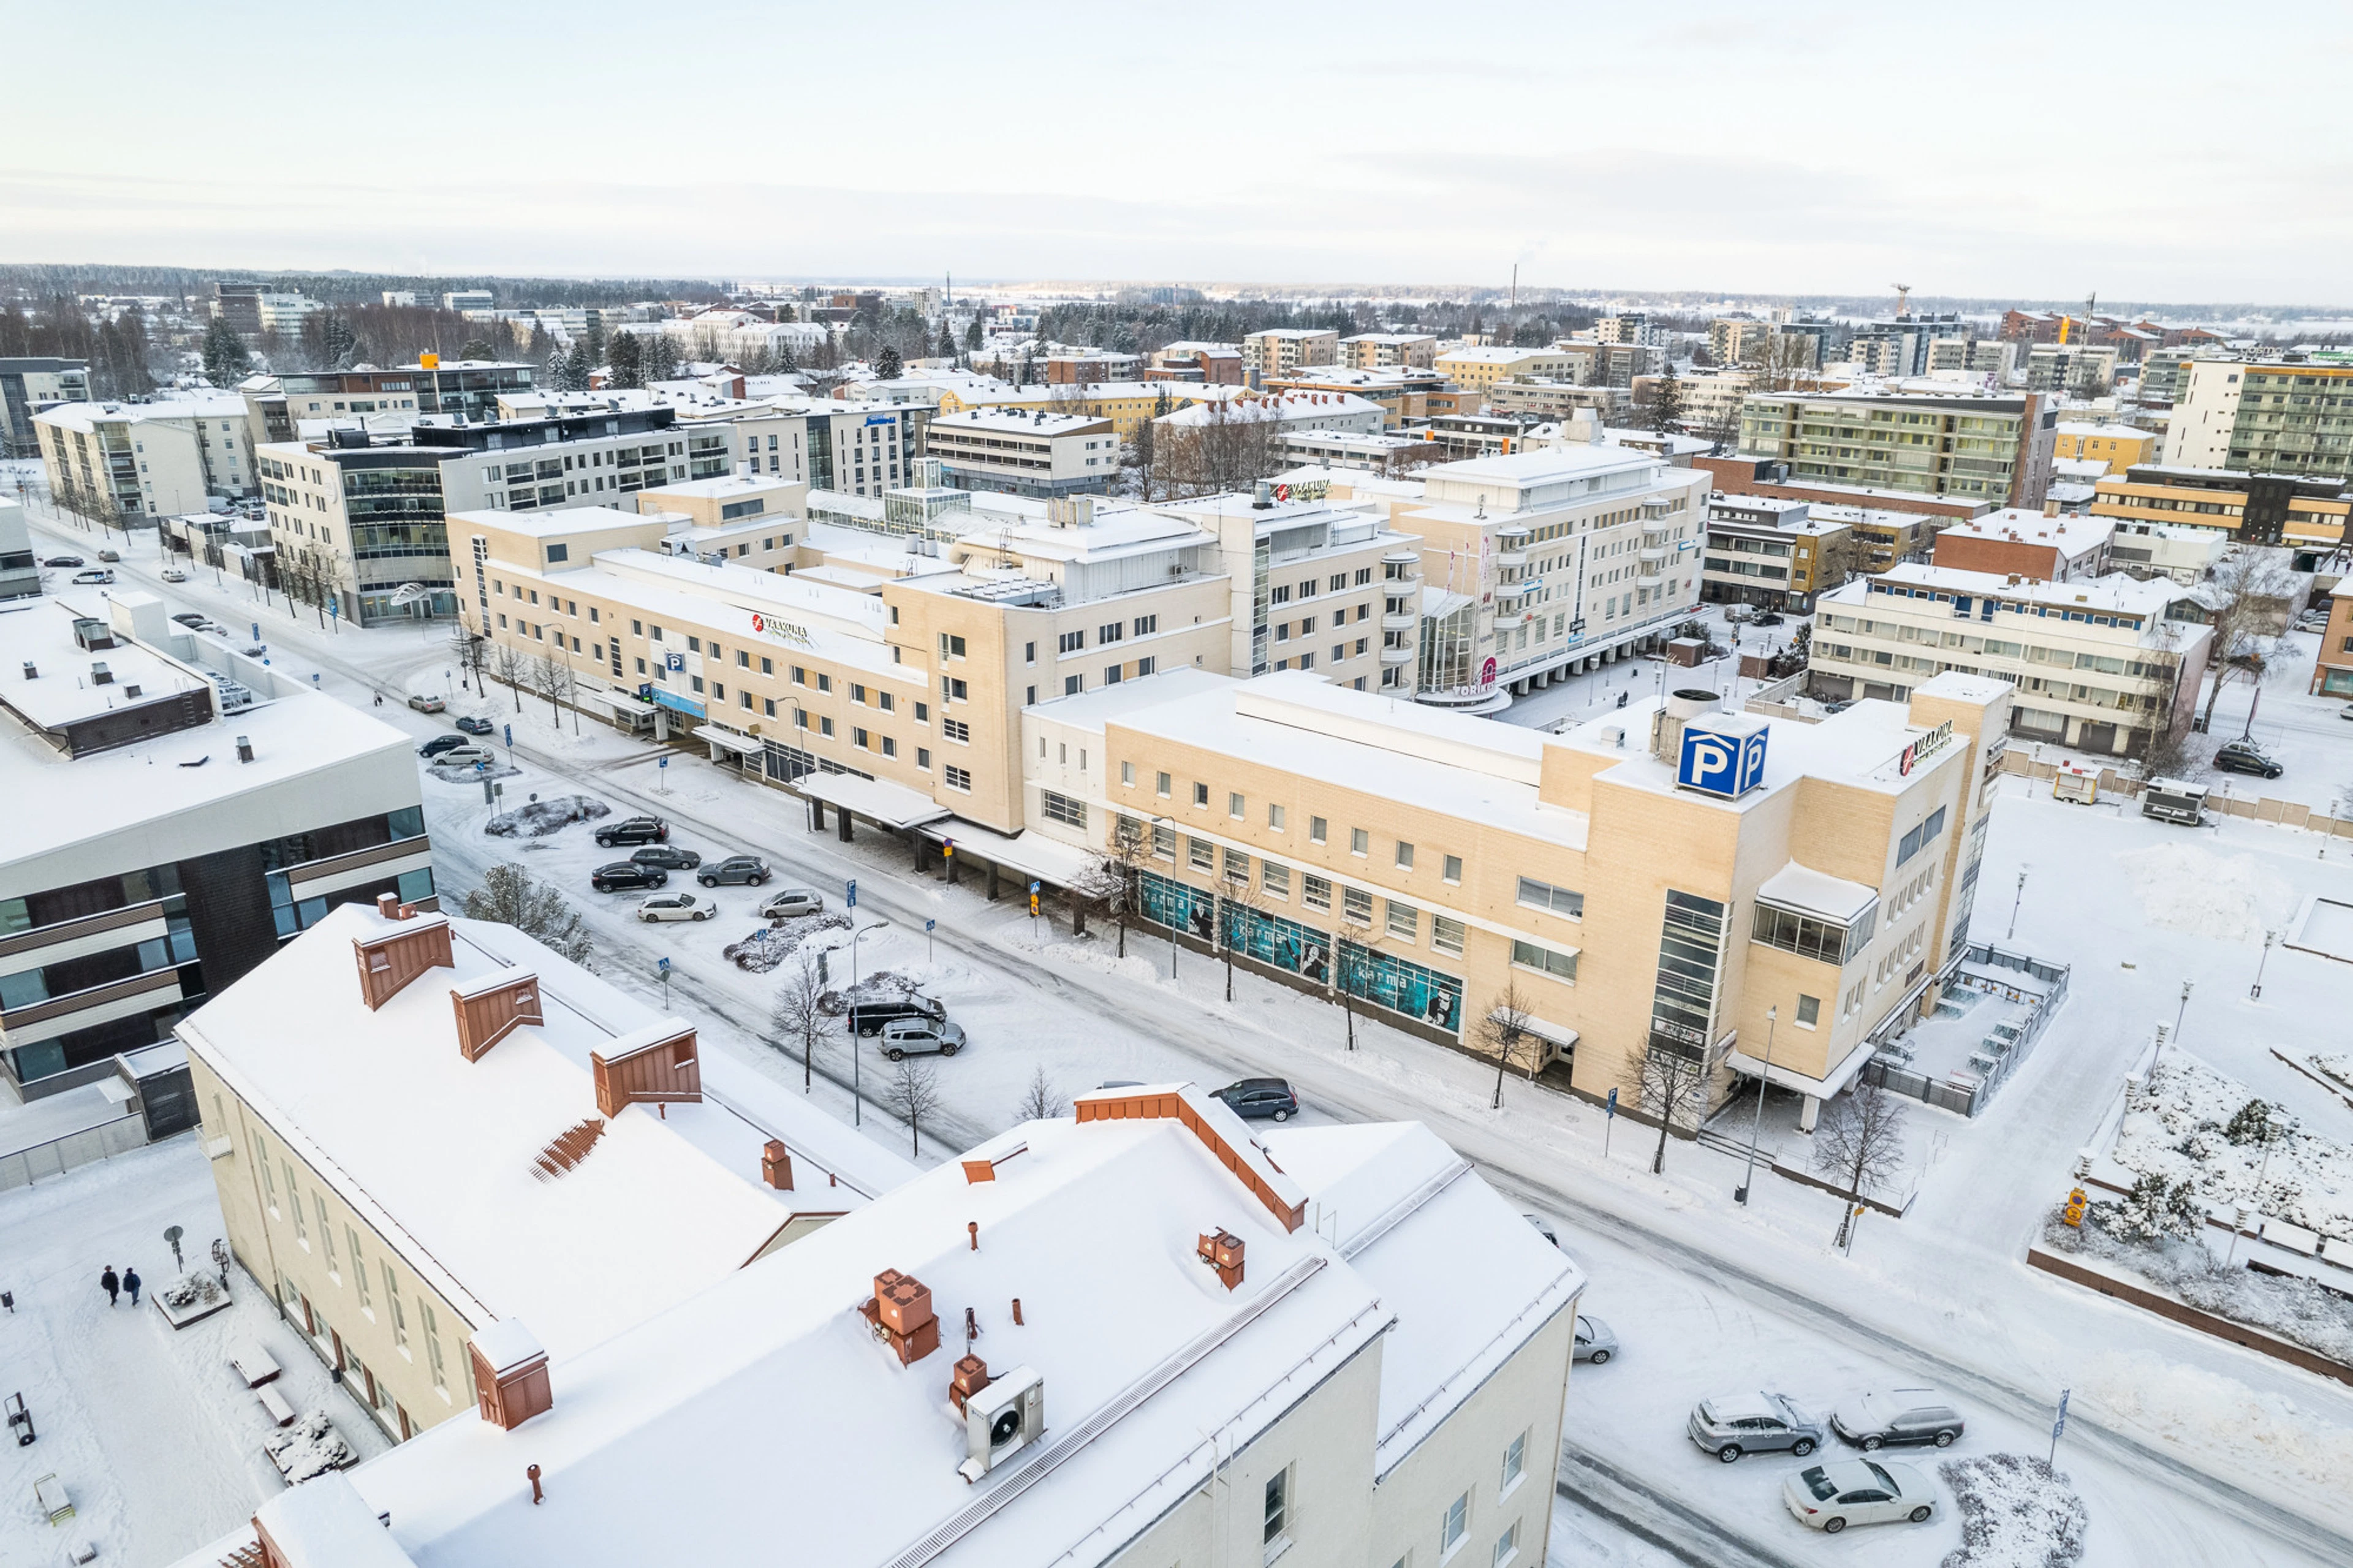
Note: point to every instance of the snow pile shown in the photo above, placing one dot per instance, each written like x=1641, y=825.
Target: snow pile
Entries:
x=2209, y=1415
x=2288, y=1305
x=882, y=985
x=2178, y=1126
x=538, y=818
x=767, y=948
x=2016, y=1513
x=310, y=1447
x=2336, y=1066
x=194, y=1291
x=2189, y=888
x=464, y=773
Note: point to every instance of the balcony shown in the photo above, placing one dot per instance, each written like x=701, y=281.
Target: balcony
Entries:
x=359, y=868
x=98, y=1004
x=81, y=937
x=1403, y=621
x=1394, y=656
x=1509, y=558
x=1510, y=620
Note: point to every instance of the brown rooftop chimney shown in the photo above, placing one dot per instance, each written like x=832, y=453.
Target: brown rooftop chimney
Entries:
x=511, y=1375
x=971, y=1377
x=776, y=1165
x=488, y=1013
x=1223, y=1252
x=391, y=960
x=659, y=1072
x=900, y=1313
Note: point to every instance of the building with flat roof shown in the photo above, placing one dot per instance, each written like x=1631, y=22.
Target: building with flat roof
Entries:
x=126, y=463
x=2116, y=446
x=20, y=573
x=2332, y=669
x=1992, y=447
x=568, y=1124
x=2095, y=663
x=2285, y=416
x=1380, y=1343
x=182, y=808
x=2308, y=514
x=1277, y=351
x=1773, y=553
x=2047, y=548
x=1025, y=452
x=1380, y=350
x=1477, y=369
x=31, y=385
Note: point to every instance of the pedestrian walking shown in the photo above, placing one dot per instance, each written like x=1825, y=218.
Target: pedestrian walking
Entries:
x=131, y=1283
x=109, y=1284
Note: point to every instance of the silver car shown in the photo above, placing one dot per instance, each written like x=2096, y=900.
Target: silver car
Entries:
x=920, y=1037
x=1829, y=1497
x=1595, y=1342
x=791, y=901
x=1731, y=1424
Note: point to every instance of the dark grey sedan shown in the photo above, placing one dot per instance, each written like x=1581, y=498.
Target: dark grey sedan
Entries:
x=669, y=857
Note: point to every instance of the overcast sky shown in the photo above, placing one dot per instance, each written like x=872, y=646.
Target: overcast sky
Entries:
x=2149, y=151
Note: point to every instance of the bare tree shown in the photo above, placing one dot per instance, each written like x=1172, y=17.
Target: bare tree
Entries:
x=468, y=648
x=1669, y=1087
x=1239, y=900
x=1110, y=882
x=510, y=665
x=551, y=678
x=914, y=1093
x=798, y=1014
x=1860, y=1142
x=508, y=896
x=1505, y=1031
x=1039, y=1101
x=2245, y=595
x=1348, y=968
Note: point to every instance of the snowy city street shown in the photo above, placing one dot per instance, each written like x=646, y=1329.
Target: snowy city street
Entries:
x=2182, y=1448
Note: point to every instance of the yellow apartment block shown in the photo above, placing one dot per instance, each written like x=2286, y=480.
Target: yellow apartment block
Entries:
x=1670, y=878
x=2118, y=446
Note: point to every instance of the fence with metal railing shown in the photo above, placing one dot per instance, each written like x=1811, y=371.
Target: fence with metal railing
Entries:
x=2041, y=986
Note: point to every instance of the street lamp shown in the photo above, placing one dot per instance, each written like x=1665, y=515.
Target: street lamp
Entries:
x=2256, y=992
x=1756, y=1122
x=2272, y=1131
x=2016, y=902
x=857, y=1097
x=2187, y=986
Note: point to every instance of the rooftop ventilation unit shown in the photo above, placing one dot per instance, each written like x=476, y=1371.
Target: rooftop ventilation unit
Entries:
x=1002, y=1419
x=100, y=675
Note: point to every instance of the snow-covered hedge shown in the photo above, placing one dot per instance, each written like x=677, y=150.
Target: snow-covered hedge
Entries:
x=2180, y=1125
x=2293, y=1308
x=2016, y=1513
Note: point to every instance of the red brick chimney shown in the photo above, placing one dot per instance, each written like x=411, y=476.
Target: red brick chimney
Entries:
x=391, y=959
x=1223, y=1252
x=776, y=1165
x=971, y=1377
x=900, y=1313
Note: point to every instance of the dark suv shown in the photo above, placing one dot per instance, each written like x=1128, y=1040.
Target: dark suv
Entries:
x=1255, y=1097
x=735, y=870
x=2241, y=757
x=622, y=876
x=633, y=830
x=868, y=1017
x=669, y=857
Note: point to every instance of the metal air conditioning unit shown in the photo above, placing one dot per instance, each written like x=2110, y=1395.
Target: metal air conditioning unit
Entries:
x=1003, y=1419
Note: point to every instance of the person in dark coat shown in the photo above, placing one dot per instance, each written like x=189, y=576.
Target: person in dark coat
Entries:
x=131, y=1283
x=109, y=1284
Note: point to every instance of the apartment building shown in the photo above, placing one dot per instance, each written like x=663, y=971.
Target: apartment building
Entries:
x=1385, y=351
x=1025, y=452
x=2306, y=513
x=1440, y=869
x=1997, y=358
x=1477, y=369
x=2094, y=663
x=1128, y=405
x=567, y=1125
x=1710, y=400
x=1201, y=363
x=2042, y=547
x=1733, y=340
x=365, y=521
x=141, y=460
x=238, y=304
x=2119, y=447
x=1774, y=553
x=195, y=808
x=30, y=385
x=1380, y=1343
x=1403, y=392
x=1279, y=350
x=1606, y=364
x=1314, y=586
x=2332, y=669
x=1630, y=328
x=2183, y=555
x=2079, y=369
x=2162, y=373
x=1377, y=452
x=277, y=404
x=1898, y=345
x=1541, y=563
x=1561, y=400
x=910, y=669
x=20, y=573
x=1995, y=448
x=2269, y=416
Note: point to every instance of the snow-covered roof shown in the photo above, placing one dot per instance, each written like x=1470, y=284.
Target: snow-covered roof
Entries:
x=766, y=1395
x=1017, y=421
x=1801, y=888
x=201, y=404
x=2106, y=432
x=2072, y=536
x=2114, y=593
x=1858, y=748
x=1280, y=406
x=1091, y=709
x=656, y=1209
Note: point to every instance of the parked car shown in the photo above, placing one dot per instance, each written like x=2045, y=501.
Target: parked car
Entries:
x=2232, y=756
x=465, y=754
x=1595, y=1342
x=669, y=857
x=2346, y=711
x=735, y=870
x=1766, y=618
x=1255, y=1097
x=790, y=902
x=1897, y=1415
x=1731, y=1424
x=1829, y=1497
x=425, y=704
x=174, y=575
x=675, y=906
x=110, y=557
x=633, y=830
x=190, y=619
x=63, y=560
x=94, y=575
x=622, y=876
x=440, y=744
x=1543, y=1227
x=473, y=726
x=922, y=1036
x=873, y=1017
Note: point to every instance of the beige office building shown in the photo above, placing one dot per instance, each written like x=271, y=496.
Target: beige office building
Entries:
x=1381, y=351
x=1477, y=369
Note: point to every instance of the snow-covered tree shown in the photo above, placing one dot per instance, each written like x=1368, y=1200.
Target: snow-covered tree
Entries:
x=508, y=896
x=2154, y=1209
x=225, y=357
x=478, y=348
x=627, y=361
x=571, y=371
x=888, y=364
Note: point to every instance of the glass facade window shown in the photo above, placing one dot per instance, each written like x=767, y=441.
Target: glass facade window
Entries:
x=1559, y=965
x=1691, y=951
x=1538, y=895
x=1810, y=936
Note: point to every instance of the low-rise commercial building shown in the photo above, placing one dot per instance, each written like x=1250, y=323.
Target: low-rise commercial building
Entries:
x=1403, y=392
x=1200, y=362
x=1995, y=448
x=1025, y=453
x=2118, y=447
x=194, y=809
x=1774, y=553
x=2183, y=555
x=2306, y=515
x=2045, y=548
x=2096, y=664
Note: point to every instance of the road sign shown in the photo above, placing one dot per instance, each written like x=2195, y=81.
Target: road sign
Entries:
x=661, y=965
x=1034, y=885
x=661, y=762
x=928, y=926
x=849, y=895
x=510, y=729
x=257, y=631
x=1610, y=1109
x=2060, y=1425
x=947, y=848
x=1609, y=1120
x=334, y=609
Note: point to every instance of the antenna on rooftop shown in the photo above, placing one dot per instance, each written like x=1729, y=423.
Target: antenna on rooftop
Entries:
x=1903, y=300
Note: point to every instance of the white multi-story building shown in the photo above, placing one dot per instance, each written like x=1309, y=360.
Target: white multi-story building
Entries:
x=2095, y=663
x=149, y=459
x=1027, y=453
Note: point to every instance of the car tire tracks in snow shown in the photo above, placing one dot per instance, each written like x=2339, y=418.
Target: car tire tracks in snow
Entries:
x=1655, y=1518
